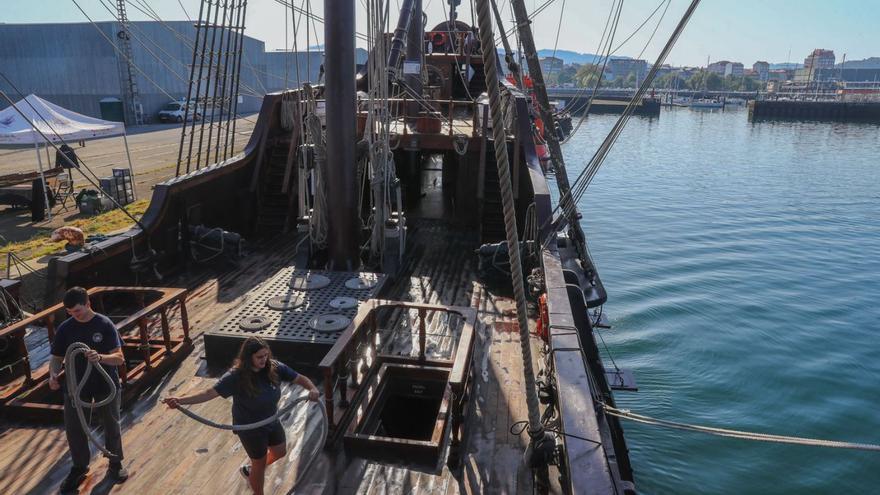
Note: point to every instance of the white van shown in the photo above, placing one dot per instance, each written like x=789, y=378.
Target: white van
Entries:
x=175, y=111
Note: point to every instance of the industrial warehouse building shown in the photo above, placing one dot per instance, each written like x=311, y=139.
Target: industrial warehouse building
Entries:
x=76, y=66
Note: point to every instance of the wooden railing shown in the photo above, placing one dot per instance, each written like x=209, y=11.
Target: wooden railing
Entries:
x=352, y=360
x=442, y=111
x=152, y=355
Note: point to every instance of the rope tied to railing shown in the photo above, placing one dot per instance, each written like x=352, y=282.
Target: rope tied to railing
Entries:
x=743, y=435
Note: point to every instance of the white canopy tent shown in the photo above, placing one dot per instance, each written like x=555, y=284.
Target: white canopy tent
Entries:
x=57, y=124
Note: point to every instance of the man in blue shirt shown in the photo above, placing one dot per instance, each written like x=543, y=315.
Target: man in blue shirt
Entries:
x=99, y=333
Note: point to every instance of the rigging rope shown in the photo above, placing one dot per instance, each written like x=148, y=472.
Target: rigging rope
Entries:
x=377, y=130
x=490, y=67
x=189, y=44
x=568, y=202
x=744, y=435
x=601, y=74
x=558, y=30
x=585, y=107
x=184, y=11
x=599, y=54
x=455, y=48
x=295, y=22
x=121, y=54
x=315, y=18
x=531, y=16
x=640, y=26
x=151, y=13
x=249, y=91
x=315, y=136
x=512, y=66
x=656, y=27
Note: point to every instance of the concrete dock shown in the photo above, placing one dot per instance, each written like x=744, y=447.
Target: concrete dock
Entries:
x=649, y=107
x=153, y=149
x=839, y=111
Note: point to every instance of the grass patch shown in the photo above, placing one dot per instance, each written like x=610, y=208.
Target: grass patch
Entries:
x=104, y=223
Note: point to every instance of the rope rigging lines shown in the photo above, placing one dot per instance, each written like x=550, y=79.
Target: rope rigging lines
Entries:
x=568, y=202
x=377, y=132
x=613, y=13
x=536, y=429
x=585, y=108
x=120, y=53
x=219, y=97
x=315, y=138
x=230, y=88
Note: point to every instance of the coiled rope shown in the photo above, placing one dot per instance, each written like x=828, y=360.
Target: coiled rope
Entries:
x=278, y=414
x=74, y=388
x=744, y=435
x=315, y=136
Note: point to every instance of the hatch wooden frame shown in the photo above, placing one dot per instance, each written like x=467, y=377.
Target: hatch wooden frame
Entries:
x=395, y=449
x=342, y=372
x=27, y=398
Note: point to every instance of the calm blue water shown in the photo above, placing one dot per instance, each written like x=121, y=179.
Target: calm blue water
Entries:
x=742, y=263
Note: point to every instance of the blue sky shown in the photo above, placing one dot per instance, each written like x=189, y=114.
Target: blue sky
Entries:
x=743, y=31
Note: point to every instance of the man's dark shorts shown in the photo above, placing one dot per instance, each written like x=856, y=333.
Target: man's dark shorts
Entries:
x=256, y=442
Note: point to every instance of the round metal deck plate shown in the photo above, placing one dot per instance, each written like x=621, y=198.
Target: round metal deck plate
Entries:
x=362, y=281
x=310, y=281
x=287, y=302
x=254, y=323
x=343, y=302
x=329, y=323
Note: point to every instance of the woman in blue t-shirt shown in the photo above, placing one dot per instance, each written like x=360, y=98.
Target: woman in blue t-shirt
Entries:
x=254, y=385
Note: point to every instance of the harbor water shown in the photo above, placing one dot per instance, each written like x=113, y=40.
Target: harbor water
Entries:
x=742, y=263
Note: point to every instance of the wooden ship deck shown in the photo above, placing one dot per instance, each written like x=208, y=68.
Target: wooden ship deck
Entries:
x=448, y=331
x=169, y=453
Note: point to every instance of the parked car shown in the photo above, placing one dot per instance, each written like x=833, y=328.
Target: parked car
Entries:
x=176, y=112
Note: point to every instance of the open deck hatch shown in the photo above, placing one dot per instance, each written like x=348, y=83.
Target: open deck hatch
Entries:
x=402, y=402
x=406, y=418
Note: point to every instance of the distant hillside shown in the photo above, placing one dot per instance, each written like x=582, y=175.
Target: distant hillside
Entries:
x=570, y=57
x=868, y=63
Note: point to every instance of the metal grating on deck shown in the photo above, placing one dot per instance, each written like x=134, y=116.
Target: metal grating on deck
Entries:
x=257, y=316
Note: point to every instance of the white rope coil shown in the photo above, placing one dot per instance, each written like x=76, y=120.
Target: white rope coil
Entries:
x=74, y=388
x=318, y=229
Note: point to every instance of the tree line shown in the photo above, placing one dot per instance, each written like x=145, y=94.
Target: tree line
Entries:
x=586, y=76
